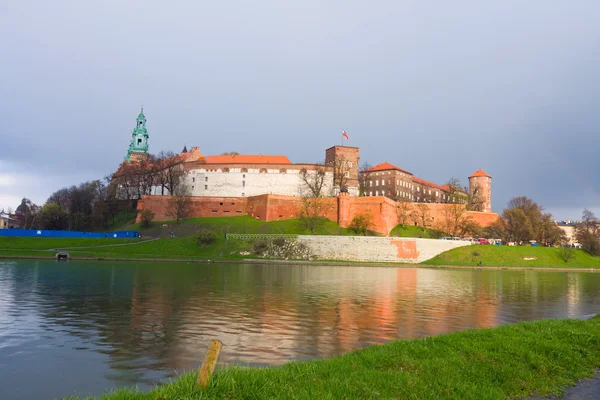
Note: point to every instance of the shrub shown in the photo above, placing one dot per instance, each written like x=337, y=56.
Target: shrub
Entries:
x=260, y=246
x=279, y=242
x=146, y=218
x=361, y=223
x=475, y=253
x=205, y=237
x=566, y=253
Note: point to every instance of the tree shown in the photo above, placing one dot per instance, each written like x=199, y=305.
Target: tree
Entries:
x=587, y=233
x=421, y=213
x=313, y=182
x=53, y=216
x=453, y=219
x=454, y=192
x=403, y=210
x=518, y=225
x=362, y=223
x=146, y=218
x=362, y=179
x=230, y=153
x=312, y=212
x=341, y=171
x=179, y=205
x=28, y=214
x=475, y=198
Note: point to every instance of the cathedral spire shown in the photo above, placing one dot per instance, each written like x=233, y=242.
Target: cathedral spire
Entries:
x=138, y=147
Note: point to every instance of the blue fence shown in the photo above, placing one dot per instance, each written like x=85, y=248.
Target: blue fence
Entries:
x=69, y=234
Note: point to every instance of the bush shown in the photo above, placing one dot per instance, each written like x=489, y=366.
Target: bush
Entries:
x=475, y=253
x=566, y=253
x=361, y=224
x=260, y=246
x=205, y=237
x=146, y=218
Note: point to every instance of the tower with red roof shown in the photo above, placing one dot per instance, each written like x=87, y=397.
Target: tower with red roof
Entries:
x=480, y=189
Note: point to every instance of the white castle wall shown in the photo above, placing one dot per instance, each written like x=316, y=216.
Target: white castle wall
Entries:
x=236, y=183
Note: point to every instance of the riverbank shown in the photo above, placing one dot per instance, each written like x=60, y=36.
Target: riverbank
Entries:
x=514, y=256
x=512, y=361
x=186, y=249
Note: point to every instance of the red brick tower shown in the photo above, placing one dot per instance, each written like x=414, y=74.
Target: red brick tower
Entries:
x=344, y=161
x=480, y=189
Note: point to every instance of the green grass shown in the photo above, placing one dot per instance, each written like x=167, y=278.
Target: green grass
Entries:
x=38, y=243
x=511, y=361
x=241, y=224
x=416, y=232
x=512, y=256
x=167, y=248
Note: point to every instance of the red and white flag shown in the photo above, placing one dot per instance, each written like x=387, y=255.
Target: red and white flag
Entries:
x=345, y=135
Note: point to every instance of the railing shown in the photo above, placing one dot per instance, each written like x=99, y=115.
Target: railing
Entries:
x=254, y=236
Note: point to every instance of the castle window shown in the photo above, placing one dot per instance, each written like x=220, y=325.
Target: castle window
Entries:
x=225, y=169
x=346, y=174
x=243, y=194
x=206, y=179
x=350, y=164
x=282, y=171
x=244, y=176
x=263, y=171
x=193, y=179
x=244, y=170
x=243, y=183
x=139, y=141
x=192, y=188
x=205, y=187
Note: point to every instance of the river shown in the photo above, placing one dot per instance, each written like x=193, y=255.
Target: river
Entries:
x=85, y=327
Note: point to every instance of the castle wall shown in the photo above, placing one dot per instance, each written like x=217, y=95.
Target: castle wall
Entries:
x=248, y=181
x=383, y=211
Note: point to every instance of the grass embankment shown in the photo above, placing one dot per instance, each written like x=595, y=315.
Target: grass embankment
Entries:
x=513, y=256
x=416, y=232
x=240, y=224
x=183, y=246
x=512, y=361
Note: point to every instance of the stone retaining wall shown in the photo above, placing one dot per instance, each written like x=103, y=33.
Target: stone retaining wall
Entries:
x=377, y=249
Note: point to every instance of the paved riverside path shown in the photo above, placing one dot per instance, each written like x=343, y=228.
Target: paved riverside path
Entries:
x=587, y=389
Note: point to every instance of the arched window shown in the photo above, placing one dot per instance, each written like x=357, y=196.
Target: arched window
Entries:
x=244, y=169
x=283, y=171
x=263, y=171
x=225, y=169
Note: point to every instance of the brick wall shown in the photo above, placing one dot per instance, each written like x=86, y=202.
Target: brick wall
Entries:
x=383, y=211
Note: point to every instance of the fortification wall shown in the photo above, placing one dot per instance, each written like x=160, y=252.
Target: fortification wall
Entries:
x=383, y=211
x=377, y=249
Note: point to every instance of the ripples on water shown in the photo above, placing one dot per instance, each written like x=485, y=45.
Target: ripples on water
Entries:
x=87, y=327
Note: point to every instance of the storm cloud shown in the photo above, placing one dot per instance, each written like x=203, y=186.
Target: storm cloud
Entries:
x=438, y=88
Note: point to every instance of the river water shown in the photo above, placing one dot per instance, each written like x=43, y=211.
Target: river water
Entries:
x=86, y=327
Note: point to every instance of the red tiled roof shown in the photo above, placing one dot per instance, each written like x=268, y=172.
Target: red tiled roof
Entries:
x=426, y=183
x=247, y=159
x=386, y=166
x=480, y=172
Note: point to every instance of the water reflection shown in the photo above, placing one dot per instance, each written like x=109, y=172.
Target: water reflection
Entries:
x=103, y=325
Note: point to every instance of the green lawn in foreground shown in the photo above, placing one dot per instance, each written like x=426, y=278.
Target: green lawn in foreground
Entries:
x=40, y=243
x=166, y=248
x=415, y=231
x=512, y=361
x=512, y=256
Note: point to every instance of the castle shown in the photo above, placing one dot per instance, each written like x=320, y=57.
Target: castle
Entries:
x=241, y=178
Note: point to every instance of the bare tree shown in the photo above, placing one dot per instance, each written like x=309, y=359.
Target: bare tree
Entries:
x=454, y=191
x=421, y=213
x=403, y=210
x=230, y=153
x=362, y=179
x=313, y=182
x=453, y=216
x=341, y=172
x=475, y=198
x=179, y=205
x=313, y=211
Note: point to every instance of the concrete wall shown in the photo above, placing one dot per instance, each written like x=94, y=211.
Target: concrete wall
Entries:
x=248, y=182
x=377, y=249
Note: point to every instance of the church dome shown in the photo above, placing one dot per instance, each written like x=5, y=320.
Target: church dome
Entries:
x=23, y=208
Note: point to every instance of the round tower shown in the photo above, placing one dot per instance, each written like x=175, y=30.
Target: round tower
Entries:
x=480, y=190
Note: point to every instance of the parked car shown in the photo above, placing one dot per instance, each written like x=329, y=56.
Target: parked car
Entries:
x=483, y=241
x=446, y=238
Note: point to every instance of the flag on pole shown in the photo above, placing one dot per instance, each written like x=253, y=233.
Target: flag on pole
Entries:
x=345, y=135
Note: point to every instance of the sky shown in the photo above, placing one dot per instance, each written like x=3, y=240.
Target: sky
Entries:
x=437, y=88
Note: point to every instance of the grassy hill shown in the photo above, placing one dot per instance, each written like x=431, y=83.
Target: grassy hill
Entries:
x=509, y=256
x=239, y=224
x=416, y=232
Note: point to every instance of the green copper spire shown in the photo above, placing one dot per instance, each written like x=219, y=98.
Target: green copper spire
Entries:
x=139, y=137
